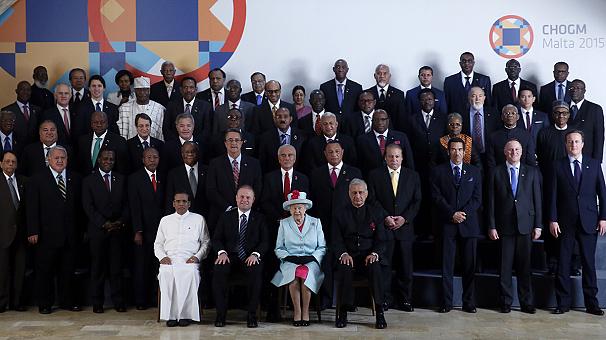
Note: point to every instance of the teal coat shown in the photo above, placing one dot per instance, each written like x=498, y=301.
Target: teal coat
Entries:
x=291, y=242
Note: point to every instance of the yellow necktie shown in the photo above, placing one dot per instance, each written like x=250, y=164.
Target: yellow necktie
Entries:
x=273, y=110
x=394, y=182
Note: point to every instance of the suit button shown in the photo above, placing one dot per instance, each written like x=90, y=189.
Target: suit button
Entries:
x=516, y=201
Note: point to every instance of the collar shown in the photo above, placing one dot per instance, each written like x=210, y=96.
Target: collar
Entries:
x=100, y=101
x=195, y=167
x=221, y=91
x=318, y=113
x=518, y=81
x=290, y=172
x=21, y=105
x=368, y=114
x=3, y=136
x=384, y=134
x=190, y=103
x=237, y=159
x=102, y=136
x=561, y=129
x=344, y=82
x=105, y=173
x=182, y=141
x=398, y=170
x=385, y=88
x=232, y=103
x=427, y=113
x=247, y=213
x=55, y=174
x=579, y=104
x=463, y=75
x=171, y=84
x=49, y=146
x=333, y=137
x=81, y=91
x=149, y=173
x=288, y=132
x=572, y=159
x=426, y=87
x=277, y=104
x=452, y=166
x=339, y=166
x=181, y=217
x=7, y=176
x=61, y=108
x=515, y=166
x=148, y=140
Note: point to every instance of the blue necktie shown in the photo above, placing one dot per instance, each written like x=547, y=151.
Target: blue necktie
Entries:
x=7, y=144
x=283, y=139
x=259, y=99
x=340, y=94
x=98, y=107
x=514, y=181
x=577, y=172
x=561, y=91
x=575, y=109
x=467, y=84
x=457, y=174
x=242, y=237
x=145, y=145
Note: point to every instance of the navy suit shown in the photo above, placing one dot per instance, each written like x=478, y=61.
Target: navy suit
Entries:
x=412, y=100
x=501, y=92
x=350, y=97
x=538, y=120
x=549, y=94
x=590, y=120
x=456, y=96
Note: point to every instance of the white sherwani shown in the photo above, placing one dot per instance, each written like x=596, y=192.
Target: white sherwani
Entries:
x=128, y=112
x=179, y=238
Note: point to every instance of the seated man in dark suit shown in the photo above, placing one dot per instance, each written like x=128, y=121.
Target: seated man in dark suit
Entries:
x=531, y=119
x=263, y=115
x=187, y=103
x=510, y=130
x=358, y=238
x=557, y=89
x=282, y=134
x=90, y=144
x=27, y=114
x=233, y=89
x=257, y=95
x=185, y=126
x=240, y=240
x=341, y=93
x=577, y=185
x=458, y=85
x=412, y=96
x=146, y=203
x=360, y=122
x=588, y=117
x=507, y=91
x=105, y=203
x=235, y=119
x=515, y=218
x=41, y=96
x=457, y=194
x=141, y=141
x=215, y=94
x=389, y=98
x=10, y=140
x=371, y=146
x=314, y=151
x=398, y=190
x=95, y=102
x=167, y=89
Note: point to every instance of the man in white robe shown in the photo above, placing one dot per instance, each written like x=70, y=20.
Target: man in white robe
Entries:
x=181, y=243
x=142, y=104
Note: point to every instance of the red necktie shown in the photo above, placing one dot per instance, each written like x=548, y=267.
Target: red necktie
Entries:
x=286, y=185
x=382, y=144
x=317, y=127
x=217, y=102
x=236, y=172
x=26, y=113
x=514, y=97
x=106, y=179
x=333, y=177
x=154, y=183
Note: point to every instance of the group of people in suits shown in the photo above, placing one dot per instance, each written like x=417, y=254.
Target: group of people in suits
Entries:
x=366, y=171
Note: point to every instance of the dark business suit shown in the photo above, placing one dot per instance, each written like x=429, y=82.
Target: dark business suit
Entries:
x=353, y=124
x=269, y=142
x=74, y=103
x=112, y=141
x=217, y=145
x=413, y=105
x=42, y=98
x=135, y=151
x=33, y=160
x=456, y=95
x=450, y=197
x=263, y=118
x=393, y=103
x=406, y=203
x=369, y=152
x=501, y=92
x=538, y=120
x=17, y=144
x=200, y=110
x=574, y=207
x=590, y=120
x=251, y=97
x=107, y=248
x=146, y=209
x=220, y=117
x=65, y=137
x=314, y=151
x=549, y=94
x=350, y=97
x=26, y=128
x=56, y=221
x=171, y=152
x=81, y=123
x=13, y=242
x=491, y=122
x=227, y=238
x=499, y=138
x=178, y=181
x=515, y=217
x=159, y=93
x=207, y=96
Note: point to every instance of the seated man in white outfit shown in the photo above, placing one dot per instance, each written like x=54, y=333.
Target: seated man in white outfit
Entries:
x=181, y=243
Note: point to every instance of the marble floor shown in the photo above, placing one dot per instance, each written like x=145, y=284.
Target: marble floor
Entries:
x=422, y=324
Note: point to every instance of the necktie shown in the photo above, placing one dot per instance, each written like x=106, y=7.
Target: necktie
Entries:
x=7, y=144
x=457, y=174
x=107, y=185
x=188, y=108
x=577, y=172
x=528, y=123
x=333, y=177
x=77, y=100
x=96, y=149
x=193, y=182
x=382, y=95
x=26, y=112
x=428, y=120
x=467, y=83
x=514, y=97
x=145, y=144
x=561, y=91
x=477, y=131
x=46, y=150
x=66, y=120
x=575, y=110
x=11, y=187
x=394, y=181
x=283, y=139
x=217, y=101
x=259, y=99
x=242, y=237
x=98, y=107
x=234, y=106
x=318, y=126
x=274, y=108
x=236, y=172
x=514, y=181
x=286, y=185
x=340, y=94
x=61, y=186
x=382, y=145
x=154, y=183
x=169, y=90
x=366, y=123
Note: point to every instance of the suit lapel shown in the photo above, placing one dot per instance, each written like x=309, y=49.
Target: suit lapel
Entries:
x=569, y=174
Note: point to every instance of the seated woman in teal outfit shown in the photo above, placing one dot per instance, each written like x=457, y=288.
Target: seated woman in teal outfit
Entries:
x=300, y=246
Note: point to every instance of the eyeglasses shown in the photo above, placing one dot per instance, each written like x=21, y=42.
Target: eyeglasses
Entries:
x=232, y=117
x=233, y=140
x=454, y=124
x=272, y=91
x=181, y=201
x=509, y=113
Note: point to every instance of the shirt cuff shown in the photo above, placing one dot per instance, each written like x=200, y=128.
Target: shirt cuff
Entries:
x=340, y=257
x=221, y=252
x=257, y=255
x=375, y=254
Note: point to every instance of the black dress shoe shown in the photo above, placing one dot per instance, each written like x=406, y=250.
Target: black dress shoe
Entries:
x=407, y=306
x=251, y=321
x=470, y=309
x=184, y=322
x=380, y=323
x=561, y=310
x=505, y=309
x=219, y=322
x=595, y=311
x=44, y=310
x=20, y=308
x=528, y=309
x=98, y=309
x=341, y=320
x=172, y=323
x=141, y=307
x=120, y=308
x=445, y=309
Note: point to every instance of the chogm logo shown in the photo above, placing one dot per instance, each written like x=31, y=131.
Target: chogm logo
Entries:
x=511, y=36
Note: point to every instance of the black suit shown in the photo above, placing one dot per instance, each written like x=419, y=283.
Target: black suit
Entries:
x=406, y=203
x=263, y=118
x=65, y=137
x=491, y=122
x=112, y=141
x=200, y=110
x=42, y=98
x=159, y=93
x=393, y=104
x=178, y=181
x=350, y=97
x=26, y=128
x=33, y=159
x=269, y=142
x=515, y=217
x=456, y=95
x=135, y=151
x=450, y=197
x=353, y=124
x=17, y=144
x=207, y=96
x=496, y=144
x=220, y=117
x=273, y=197
x=171, y=152
x=573, y=206
x=13, y=242
x=501, y=92
x=81, y=123
x=106, y=247
x=217, y=145
x=538, y=121
x=590, y=120
x=74, y=103
x=369, y=152
x=146, y=209
x=314, y=154
x=227, y=238
x=56, y=221
x=549, y=94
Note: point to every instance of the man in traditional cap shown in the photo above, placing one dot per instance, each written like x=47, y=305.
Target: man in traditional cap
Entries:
x=142, y=104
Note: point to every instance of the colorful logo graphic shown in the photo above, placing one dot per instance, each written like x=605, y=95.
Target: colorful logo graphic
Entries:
x=511, y=36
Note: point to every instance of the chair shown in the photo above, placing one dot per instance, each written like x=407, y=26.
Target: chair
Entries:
x=358, y=282
x=283, y=302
